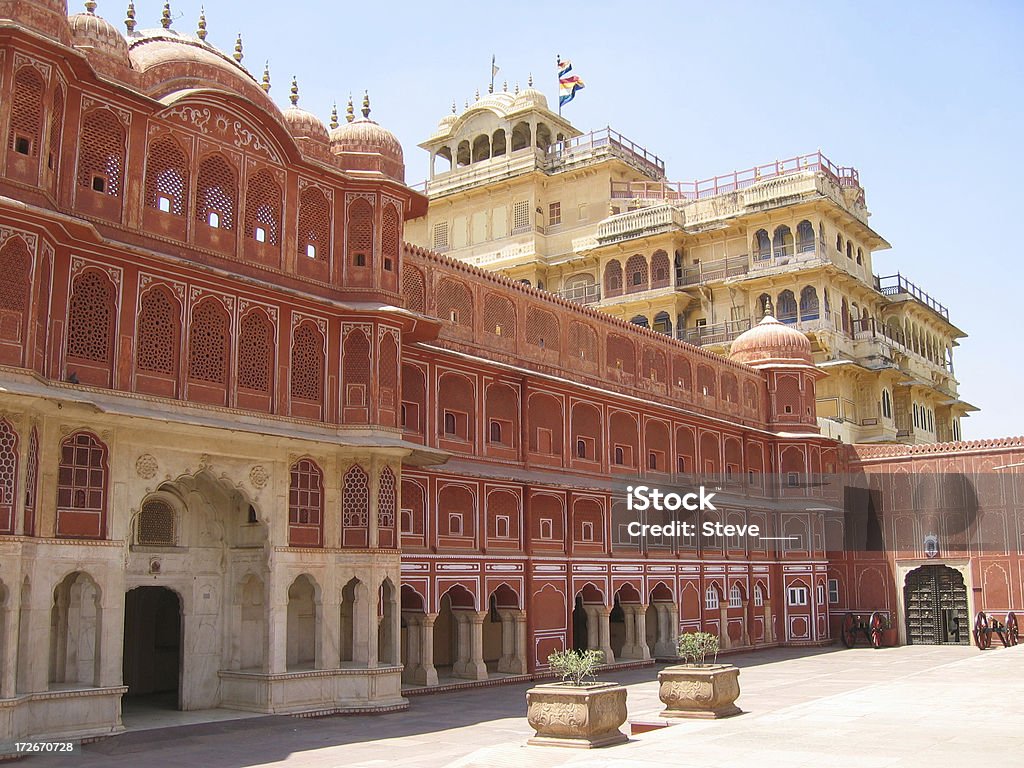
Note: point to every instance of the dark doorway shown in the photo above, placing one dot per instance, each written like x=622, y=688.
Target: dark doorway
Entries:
x=579, y=626
x=152, y=645
x=935, y=602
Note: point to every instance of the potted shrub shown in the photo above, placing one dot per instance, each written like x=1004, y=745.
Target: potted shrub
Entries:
x=699, y=687
x=578, y=711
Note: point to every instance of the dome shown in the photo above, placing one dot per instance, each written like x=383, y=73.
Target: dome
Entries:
x=364, y=135
x=771, y=343
x=93, y=33
x=304, y=125
x=169, y=62
x=498, y=102
x=48, y=17
x=529, y=98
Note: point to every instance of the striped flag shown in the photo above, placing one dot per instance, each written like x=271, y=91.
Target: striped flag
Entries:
x=568, y=83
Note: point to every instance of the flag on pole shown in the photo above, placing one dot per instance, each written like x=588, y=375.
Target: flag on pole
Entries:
x=494, y=67
x=568, y=83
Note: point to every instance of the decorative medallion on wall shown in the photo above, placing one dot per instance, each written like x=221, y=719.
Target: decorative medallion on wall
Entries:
x=146, y=466
x=931, y=545
x=258, y=476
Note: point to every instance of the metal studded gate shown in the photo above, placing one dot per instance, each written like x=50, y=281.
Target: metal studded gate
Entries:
x=935, y=604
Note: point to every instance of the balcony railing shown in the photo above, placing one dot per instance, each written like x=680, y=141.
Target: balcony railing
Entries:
x=605, y=141
x=625, y=226
x=735, y=181
x=867, y=328
x=711, y=271
x=719, y=333
x=896, y=285
x=581, y=294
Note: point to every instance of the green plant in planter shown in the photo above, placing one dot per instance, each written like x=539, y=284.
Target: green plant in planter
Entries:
x=576, y=667
x=695, y=647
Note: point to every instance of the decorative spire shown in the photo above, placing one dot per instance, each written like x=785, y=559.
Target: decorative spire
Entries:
x=129, y=19
x=366, y=105
x=334, y=116
x=350, y=112
x=265, y=84
x=467, y=104
x=490, y=88
x=769, y=311
x=529, y=80
x=294, y=96
x=238, y=55
x=517, y=87
x=90, y=7
x=454, y=108
x=504, y=87
x=477, y=95
x=201, y=31
x=165, y=17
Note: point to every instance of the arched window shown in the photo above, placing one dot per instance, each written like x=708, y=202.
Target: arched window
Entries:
x=314, y=225
x=809, y=309
x=481, y=148
x=82, y=487
x=636, y=274
x=156, y=524
x=167, y=177
x=495, y=432
x=386, y=509
x=90, y=339
x=849, y=249
x=159, y=333
x=26, y=112
x=659, y=269
x=31, y=483
x=360, y=233
x=613, y=278
x=390, y=238
x=521, y=136
x=209, y=343
x=216, y=193
x=307, y=368
x=306, y=505
x=735, y=597
x=839, y=242
x=101, y=154
x=782, y=241
x=758, y=596
x=711, y=599
x=263, y=209
x=762, y=245
x=804, y=236
x=256, y=353
x=56, y=129
x=886, y=404
x=498, y=143
x=356, y=376
x=860, y=255
x=15, y=296
x=8, y=475
x=355, y=507
x=785, y=309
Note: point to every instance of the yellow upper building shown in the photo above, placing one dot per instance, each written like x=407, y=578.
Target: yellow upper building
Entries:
x=515, y=188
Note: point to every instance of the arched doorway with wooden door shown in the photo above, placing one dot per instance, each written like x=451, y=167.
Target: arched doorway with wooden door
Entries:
x=935, y=606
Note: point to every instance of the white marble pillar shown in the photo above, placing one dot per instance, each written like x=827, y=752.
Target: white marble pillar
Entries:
x=723, y=625
x=604, y=633
x=769, y=627
x=629, y=623
x=429, y=671
x=640, y=632
x=476, y=669
x=745, y=632
x=413, y=647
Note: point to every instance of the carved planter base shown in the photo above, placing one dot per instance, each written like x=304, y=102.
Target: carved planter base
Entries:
x=702, y=692
x=588, y=716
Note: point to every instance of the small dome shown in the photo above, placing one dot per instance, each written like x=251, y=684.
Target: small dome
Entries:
x=301, y=124
x=305, y=125
x=365, y=136
x=771, y=343
x=49, y=17
x=92, y=33
x=530, y=97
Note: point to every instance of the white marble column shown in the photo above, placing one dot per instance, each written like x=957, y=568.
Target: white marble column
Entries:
x=629, y=623
x=429, y=671
x=723, y=625
x=413, y=647
x=640, y=632
x=604, y=633
x=513, y=642
x=475, y=666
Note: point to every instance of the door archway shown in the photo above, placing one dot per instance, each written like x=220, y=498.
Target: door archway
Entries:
x=935, y=606
x=152, y=646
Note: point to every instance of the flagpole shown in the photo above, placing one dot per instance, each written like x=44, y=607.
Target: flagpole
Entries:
x=558, y=94
x=493, y=60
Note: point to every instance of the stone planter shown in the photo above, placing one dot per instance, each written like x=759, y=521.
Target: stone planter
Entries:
x=586, y=716
x=704, y=692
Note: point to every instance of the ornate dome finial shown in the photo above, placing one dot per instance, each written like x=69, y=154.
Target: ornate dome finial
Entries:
x=350, y=112
x=529, y=80
x=504, y=87
x=454, y=108
x=165, y=17
x=201, y=31
x=334, y=116
x=366, y=105
x=294, y=96
x=517, y=87
x=490, y=88
x=238, y=55
x=769, y=310
x=466, y=105
x=90, y=7
x=477, y=96
x=265, y=83
x=129, y=18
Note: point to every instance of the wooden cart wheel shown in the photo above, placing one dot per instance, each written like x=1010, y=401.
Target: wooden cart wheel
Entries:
x=876, y=625
x=846, y=634
x=982, y=633
x=1012, y=631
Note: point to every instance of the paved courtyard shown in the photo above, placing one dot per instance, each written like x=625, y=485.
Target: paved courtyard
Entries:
x=910, y=706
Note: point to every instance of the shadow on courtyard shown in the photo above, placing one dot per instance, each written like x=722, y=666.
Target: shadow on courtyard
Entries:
x=263, y=740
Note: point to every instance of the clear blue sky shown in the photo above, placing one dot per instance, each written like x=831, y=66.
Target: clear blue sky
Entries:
x=924, y=98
